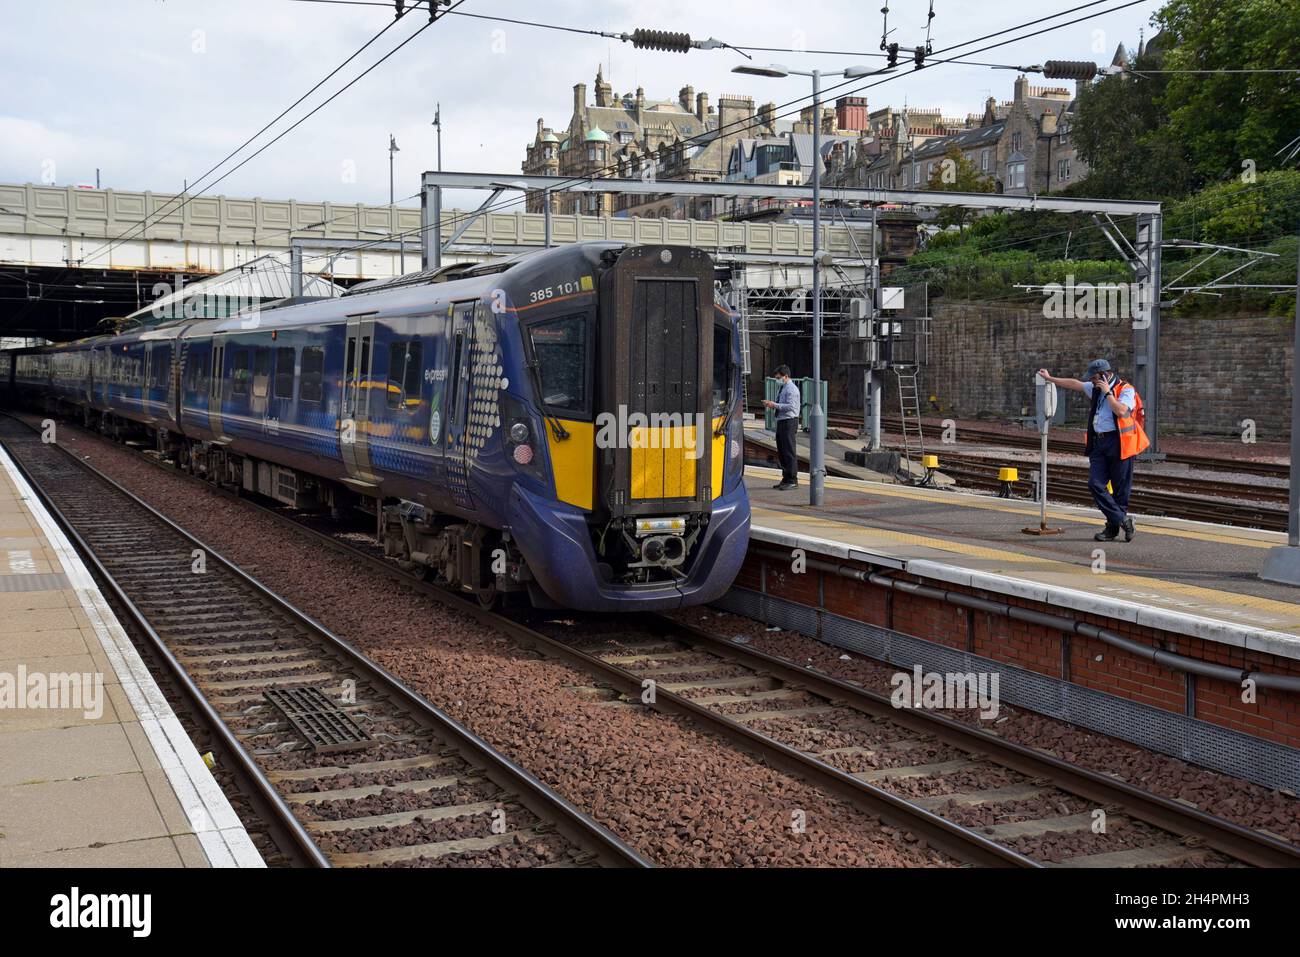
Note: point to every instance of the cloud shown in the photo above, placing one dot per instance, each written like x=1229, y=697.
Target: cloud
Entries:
x=154, y=93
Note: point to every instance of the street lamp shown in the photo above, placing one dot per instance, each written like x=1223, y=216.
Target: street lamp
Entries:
x=437, y=193
x=392, y=148
x=816, y=421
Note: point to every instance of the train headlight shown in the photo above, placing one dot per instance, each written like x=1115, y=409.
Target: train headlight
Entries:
x=734, y=449
x=518, y=428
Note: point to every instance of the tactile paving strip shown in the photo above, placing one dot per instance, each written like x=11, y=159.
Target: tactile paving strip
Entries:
x=324, y=725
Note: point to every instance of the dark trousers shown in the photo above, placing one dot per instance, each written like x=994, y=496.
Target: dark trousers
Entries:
x=1105, y=465
x=785, y=433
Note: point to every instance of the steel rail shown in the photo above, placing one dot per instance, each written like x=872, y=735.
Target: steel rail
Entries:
x=573, y=824
x=280, y=816
x=1243, y=843
x=960, y=842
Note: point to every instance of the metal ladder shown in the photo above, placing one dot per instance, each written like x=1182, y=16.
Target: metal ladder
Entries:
x=909, y=408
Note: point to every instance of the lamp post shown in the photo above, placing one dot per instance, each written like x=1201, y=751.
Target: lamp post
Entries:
x=392, y=213
x=437, y=193
x=817, y=420
x=392, y=148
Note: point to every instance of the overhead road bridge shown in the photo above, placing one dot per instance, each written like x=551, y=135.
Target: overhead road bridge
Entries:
x=72, y=257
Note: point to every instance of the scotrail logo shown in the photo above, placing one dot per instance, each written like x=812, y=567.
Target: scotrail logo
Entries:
x=946, y=690
x=658, y=430
x=54, y=691
x=75, y=909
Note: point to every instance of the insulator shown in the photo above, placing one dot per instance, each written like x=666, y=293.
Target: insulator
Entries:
x=918, y=57
x=893, y=54
x=1069, y=69
x=661, y=40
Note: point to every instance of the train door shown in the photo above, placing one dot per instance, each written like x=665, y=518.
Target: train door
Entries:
x=354, y=409
x=216, y=383
x=460, y=349
x=175, y=378
x=146, y=380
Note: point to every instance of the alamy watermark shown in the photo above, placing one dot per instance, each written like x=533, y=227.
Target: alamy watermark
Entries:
x=1100, y=300
x=655, y=430
x=947, y=691
x=24, y=690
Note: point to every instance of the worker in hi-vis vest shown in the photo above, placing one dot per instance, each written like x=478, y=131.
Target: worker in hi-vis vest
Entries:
x=1115, y=437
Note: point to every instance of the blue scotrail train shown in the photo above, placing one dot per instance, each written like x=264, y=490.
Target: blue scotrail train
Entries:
x=463, y=409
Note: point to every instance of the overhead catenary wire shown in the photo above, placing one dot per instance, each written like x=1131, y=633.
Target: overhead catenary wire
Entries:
x=325, y=79
x=307, y=115
x=747, y=47
x=707, y=135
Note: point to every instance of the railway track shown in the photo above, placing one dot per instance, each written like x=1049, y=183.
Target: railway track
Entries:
x=799, y=721
x=935, y=763
x=358, y=769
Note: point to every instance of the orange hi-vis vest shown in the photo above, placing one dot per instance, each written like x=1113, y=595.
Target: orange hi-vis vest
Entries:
x=1132, y=436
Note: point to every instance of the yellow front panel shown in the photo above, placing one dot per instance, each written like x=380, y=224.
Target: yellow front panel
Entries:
x=662, y=463
x=573, y=462
x=670, y=440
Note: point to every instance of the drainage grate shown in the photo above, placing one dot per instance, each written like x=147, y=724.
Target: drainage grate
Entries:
x=324, y=725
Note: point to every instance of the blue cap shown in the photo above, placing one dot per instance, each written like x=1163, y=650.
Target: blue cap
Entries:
x=1095, y=366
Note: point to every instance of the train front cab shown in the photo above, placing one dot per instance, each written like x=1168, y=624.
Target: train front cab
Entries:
x=645, y=515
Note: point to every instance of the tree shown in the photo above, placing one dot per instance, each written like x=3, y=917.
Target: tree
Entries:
x=1122, y=132
x=1177, y=120
x=957, y=174
x=1232, y=123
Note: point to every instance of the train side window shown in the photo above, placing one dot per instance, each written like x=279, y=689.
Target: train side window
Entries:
x=261, y=372
x=313, y=368
x=161, y=360
x=239, y=372
x=405, y=373
x=284, y=372
x=195, y=374
x=217, y=375
x=396, y=373
x=721, y=369
x=414, y=374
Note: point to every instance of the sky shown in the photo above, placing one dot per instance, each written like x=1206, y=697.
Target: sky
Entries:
x=155, y=92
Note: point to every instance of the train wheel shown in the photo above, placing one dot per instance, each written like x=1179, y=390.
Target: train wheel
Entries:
x=489, y=599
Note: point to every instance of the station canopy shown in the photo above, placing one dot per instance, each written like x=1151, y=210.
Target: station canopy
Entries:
x=255, y=283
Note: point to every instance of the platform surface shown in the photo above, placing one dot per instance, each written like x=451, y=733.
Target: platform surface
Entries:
x=1188, y=577
x=95, y=770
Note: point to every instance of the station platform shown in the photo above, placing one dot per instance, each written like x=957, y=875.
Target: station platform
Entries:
x=95, y=768
x=1176, y=576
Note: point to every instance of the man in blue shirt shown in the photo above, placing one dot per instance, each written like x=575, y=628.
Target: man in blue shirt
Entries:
x=787, y=425
x=1105, y=464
